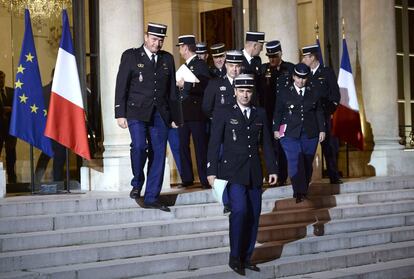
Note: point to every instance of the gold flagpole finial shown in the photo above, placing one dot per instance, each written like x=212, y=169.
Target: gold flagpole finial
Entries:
x=343, y=28
x=316, y=28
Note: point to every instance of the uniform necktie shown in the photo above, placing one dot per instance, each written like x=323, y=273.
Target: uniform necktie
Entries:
x=300, y=92
x=153, y=60
x=245, y=114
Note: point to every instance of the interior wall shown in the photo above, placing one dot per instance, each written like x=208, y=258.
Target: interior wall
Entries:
x=310, y=12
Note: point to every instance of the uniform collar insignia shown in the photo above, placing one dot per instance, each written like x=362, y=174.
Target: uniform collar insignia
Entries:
x=253, y=107
x=222, y=88
x=291, y=88
x=234, y=121
x=235, y=106
x=142, y=53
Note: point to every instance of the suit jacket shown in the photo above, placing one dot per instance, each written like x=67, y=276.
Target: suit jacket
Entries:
x=140, y=89
x=269, y=82
x=240, y=162
x=6, y=100
x=192, y=93
x=215, y=72
x=253, y=67
x=325, y=82
x=219, y=92
x=299, y=112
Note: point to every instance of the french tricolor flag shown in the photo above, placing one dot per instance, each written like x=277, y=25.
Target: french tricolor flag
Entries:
x=346, y=120
x=66, y=116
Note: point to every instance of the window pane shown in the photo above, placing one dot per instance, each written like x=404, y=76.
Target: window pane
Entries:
x=398, y=29
x=411, y=29
x=410, y=3
x=400, y=77
x=401, y=130
x=398, y=2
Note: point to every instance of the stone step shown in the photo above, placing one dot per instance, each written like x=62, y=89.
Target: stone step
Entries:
x=300, y=266
x=139, y=229
x=361, y=224
x=28, y=259
x=398, y=269
x=102, y=201
x=109, y=233
x=317, y=244
x=120, y=216
x=312, y=215
x=206, y=263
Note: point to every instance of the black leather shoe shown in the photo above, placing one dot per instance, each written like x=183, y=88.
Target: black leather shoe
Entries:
x=299, y=198
x=157, y=205
x=251, y=266
x=205, y=186
x=336, y=181
x=186, y=184
x=135, y=193
x=237, y=266
x=281, y=183
x=226, y=210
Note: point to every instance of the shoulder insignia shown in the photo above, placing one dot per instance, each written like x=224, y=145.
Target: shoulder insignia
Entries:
x=222, y=88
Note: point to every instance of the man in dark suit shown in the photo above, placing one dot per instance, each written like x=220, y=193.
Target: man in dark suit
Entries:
x=324, y=80
x=272, y=73
x=6, y=101
x=299, y=125
x=201, y=50
x=144, y=87
x=220, y=91
x=251, y=51
x=194, y=123
x=238, y=128
x=219, y=57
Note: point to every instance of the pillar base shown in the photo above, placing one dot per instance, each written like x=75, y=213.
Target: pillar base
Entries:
x=392, y=162
x=2, y=181
x=115, y=175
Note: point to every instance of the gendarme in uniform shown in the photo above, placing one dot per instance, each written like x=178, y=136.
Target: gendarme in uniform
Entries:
x=145, y=86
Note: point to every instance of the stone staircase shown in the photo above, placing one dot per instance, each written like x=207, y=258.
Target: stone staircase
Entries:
x=361, y=229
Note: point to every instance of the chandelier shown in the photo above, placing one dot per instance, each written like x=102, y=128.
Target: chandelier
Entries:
x=41, y=11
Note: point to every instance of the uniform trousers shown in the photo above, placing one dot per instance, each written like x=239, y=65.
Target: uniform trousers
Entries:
x=300, y=153
x=148, y=141
x=282, y=171
x=246, y=205
x=330, y=148
x=198, y=131
x=174, y=141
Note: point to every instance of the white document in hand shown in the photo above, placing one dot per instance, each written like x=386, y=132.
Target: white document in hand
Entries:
x=218, y=189
x=186, y=74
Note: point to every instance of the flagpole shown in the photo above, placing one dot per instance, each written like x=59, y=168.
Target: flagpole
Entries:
x=346, y=143
x=32, y=185
x=67, y=171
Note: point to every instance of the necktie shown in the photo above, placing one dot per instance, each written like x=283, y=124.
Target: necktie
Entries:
x=245, y=114
x=153, y=60
x=300, y=92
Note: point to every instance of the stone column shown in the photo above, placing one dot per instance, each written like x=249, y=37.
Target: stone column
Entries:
x=121, y=26
x=379, y=87
x=278, y=19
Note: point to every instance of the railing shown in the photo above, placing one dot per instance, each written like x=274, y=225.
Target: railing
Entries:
x=407, y=136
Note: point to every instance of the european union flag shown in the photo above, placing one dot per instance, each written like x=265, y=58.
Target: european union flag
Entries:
x=28, y=120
